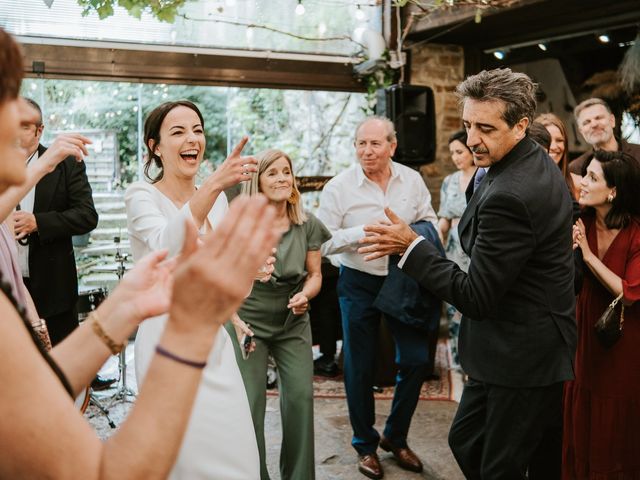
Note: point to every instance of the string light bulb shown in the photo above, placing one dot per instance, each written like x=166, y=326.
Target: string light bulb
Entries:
x=299, y=8
x=360, y=15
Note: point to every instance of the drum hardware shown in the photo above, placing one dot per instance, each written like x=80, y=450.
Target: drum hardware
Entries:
x=123, y=392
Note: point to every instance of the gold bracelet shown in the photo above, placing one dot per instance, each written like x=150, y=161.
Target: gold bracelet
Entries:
x=115, y=348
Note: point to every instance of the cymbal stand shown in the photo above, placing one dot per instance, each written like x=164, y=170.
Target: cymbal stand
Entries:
x=123, y=392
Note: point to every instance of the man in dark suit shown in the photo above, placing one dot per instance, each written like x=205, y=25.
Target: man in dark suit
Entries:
x=518, y=335
x=58, y=207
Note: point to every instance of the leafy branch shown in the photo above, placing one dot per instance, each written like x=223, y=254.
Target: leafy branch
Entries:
x=163, y=10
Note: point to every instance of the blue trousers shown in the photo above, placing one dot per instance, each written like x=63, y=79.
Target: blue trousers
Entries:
x=360, y=322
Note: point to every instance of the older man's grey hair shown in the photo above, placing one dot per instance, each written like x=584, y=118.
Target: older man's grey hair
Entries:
x=388, y=124
x=516, y=90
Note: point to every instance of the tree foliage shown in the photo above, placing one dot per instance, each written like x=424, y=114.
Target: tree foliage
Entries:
x=163, y=10
x=314, y=128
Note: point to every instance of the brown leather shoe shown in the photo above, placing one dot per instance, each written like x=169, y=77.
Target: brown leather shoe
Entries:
x=405, y=457
x=369, y=466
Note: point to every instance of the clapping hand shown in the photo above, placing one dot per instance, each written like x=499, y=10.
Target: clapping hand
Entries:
x=145, y=291
x=580, y=238
x=264, y=274
x=211, y=281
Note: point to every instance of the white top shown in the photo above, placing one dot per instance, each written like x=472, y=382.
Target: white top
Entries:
x=26, y=205
x=350, y=200
x=220, y=441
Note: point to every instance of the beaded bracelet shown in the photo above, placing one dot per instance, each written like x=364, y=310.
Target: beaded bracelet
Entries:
x=111, y=344
x=176, y=358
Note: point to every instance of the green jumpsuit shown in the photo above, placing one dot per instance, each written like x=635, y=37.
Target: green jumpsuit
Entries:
x=288, y=338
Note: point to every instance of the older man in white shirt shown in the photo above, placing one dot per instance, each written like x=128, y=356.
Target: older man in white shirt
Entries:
x=349, y=201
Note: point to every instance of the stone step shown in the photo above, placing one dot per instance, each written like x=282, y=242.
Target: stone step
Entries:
x=107, y=234
x=116, y=194
x=112, y=220
x=109, y=207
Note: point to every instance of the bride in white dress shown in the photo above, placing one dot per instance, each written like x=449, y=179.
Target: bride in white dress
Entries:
x=220, y=441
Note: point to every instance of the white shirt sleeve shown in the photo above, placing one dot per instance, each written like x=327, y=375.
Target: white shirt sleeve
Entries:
x=330, y=213
x=425, y=210
x=408, y=251
x=149, y=224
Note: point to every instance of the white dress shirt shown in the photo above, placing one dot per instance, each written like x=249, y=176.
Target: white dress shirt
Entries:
x=350, y=201
x=26, y=205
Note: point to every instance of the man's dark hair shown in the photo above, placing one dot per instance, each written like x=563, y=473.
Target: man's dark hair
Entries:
x=35, y=105
x=516, y=90
x=152, y=132
x=540, y=134
x=621, y=171
x=10, y=67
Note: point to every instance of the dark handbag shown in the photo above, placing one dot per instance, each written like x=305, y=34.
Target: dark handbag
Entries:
x=609, y=325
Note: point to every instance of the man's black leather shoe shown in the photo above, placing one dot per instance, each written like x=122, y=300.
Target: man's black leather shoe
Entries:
x=325, y=368
x=99, y=383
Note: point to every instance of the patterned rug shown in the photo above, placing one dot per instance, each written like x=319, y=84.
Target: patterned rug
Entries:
x=440, y=389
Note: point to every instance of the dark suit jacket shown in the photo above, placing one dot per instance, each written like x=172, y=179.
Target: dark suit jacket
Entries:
x=402, y=297
x=63, y=207
x=517, y=300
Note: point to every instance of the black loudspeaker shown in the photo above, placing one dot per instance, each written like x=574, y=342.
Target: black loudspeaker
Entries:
x=411, y=109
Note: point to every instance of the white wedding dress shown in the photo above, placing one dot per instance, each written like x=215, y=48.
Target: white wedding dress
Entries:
x=220, y=442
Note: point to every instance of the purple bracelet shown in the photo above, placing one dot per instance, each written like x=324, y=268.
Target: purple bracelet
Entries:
x=176, y=358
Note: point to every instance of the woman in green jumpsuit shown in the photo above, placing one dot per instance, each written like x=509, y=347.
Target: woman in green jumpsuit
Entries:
x=278, y=314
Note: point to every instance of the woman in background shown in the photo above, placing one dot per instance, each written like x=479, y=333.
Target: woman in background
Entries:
x=452, y=205
x=602, y=405
x=559, y=149
x=278, y=314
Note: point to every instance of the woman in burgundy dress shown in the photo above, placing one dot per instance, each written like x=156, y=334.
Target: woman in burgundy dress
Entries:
x=602, y=405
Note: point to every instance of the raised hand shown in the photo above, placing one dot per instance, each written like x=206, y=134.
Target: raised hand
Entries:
x=235, y=168
x=382, y=240
x=211, y=281
x=65, y=145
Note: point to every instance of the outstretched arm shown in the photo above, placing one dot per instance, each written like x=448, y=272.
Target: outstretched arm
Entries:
x=148, y=442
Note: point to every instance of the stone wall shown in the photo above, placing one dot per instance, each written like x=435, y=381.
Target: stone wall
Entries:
x=440, y=67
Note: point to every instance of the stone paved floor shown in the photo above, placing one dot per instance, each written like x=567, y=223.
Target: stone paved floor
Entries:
x=335, y=459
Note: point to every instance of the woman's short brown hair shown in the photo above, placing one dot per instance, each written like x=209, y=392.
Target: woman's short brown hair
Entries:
x=11, y=67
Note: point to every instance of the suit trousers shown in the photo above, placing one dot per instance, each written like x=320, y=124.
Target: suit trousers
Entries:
x=360, y=323
x=498, y=432
x=288, y=339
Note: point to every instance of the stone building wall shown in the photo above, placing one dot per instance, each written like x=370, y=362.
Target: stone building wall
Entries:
x=440, y=67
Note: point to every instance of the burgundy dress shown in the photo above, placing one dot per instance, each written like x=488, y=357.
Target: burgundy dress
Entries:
x=602, y=405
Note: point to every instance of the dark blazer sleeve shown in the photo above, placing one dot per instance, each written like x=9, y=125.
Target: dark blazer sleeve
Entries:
x=80, y=217
x=498, y=254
